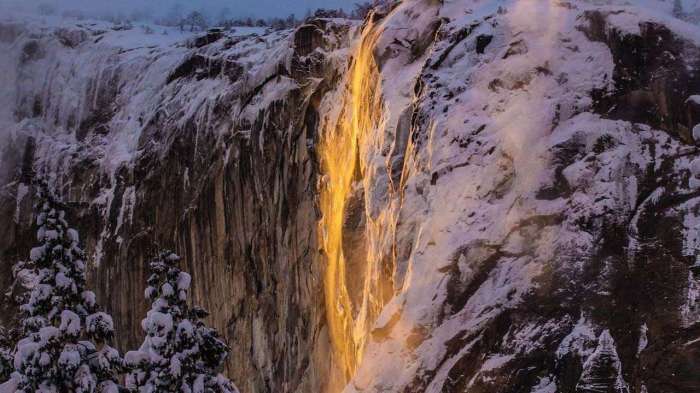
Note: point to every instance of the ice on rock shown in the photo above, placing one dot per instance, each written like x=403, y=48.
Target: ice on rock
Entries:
x=546, y=385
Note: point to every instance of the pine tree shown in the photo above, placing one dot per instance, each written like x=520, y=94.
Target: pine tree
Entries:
x=6, y=367
x=64, y=348
x=180, y=353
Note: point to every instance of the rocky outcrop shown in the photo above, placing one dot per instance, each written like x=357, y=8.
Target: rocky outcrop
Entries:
x=653, y=77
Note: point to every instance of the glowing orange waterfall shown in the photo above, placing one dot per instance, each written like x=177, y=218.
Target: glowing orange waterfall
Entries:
x=340, y=157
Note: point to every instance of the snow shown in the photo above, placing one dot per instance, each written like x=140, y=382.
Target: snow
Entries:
x=51, y=234
x=167, y=290
x=9, y=387
x=63, y=282
x=130, y=69
x=26, y=348
x=690, y=310
x=49, y=334
x=175, y=366
x=176, y=358
x=69, y=359
x=149, y=292
x=605, y=353
x=70, y=323
x=185, y=329
x=22, y=192
x=40, y=293
x=73, y=235
x=246, y=30
x=134, y=358
x=183, y=281
x=89, y=298
x=518, y=130
x=510, y=134
x=37, y=253
x=158, y=323
x=579, y=340
x=99, y=323
x=546, y=385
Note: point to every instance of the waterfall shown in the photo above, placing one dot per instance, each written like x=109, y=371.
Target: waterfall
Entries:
x=340, y=154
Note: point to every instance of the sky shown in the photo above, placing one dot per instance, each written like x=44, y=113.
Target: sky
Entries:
x=242, y=8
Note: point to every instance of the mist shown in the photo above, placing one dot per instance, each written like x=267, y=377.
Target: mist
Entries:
x=158, y=8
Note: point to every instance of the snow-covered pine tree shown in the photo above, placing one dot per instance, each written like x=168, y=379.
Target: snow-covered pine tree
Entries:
x=64, y=348
x=180, y=353
x=6, y=367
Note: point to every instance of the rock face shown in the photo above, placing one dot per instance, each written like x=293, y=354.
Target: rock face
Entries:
x=522, y=214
